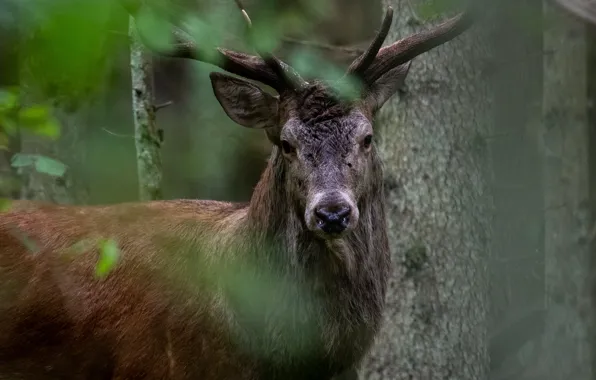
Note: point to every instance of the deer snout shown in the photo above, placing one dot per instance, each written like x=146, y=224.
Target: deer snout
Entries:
x=332, y=214
x=333, y=218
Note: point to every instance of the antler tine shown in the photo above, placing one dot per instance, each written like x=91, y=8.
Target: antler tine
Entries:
x=290, y=78
x=412, y=46
x=360, y=64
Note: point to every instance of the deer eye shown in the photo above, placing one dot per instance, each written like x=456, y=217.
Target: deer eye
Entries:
x=287, y=147
x=367, y=141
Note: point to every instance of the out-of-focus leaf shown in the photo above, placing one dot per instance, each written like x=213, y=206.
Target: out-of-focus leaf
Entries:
x=80, y=247
x=50, y=129
x=35, y=114
x=29, y=243
x=310, y=64
x=5, y=204
x=41, y=163
x=205, y=34
x=39, y=120
x=8, y=100
x=349, y=88
x=8, y=125
x=66, y=50
x=155, y=30
x=109, y=253
x=3, y=140
x=265, y=36
x=432, y=8
x=49, y=166
x=20, y=160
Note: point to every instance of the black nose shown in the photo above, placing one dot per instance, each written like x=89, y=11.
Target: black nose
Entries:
x=333, y=218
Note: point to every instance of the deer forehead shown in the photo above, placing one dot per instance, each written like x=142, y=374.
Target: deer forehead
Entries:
x=334, y=130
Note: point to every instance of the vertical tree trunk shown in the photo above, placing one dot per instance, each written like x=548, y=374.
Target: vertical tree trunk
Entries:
x=567, y=347
x=147, y=138
x=517, y=262
x=436, y=172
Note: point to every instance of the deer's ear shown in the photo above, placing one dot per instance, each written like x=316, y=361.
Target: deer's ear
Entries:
x=386, y=86
x=244, y=102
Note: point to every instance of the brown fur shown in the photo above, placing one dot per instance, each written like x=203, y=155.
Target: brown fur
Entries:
x=203, y=289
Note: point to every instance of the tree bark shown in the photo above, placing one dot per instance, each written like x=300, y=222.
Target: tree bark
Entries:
x=147, y=137
x=432, y=140
x=517, y=262
x=566, y=350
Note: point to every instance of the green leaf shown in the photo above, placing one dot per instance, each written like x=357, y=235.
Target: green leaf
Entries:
x=50, y=129
x=8, y=100
x=433, y=8
x=81, y=246
x=265, y=36
x=39, y=120
x=207, y=36
x=8, y=124
x=109, y=253
x=155, y=30
x=50, y=166
x=20, y=160
x=33, y=115
x=42, y=164
x=3, y=141
x=5, y=204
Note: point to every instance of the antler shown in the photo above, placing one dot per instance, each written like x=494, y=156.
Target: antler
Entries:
x=360, y=64
x=264, y=68
x=377, y=61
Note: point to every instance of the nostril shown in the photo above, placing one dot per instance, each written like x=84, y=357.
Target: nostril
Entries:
x=333, y=218
x=344, y=212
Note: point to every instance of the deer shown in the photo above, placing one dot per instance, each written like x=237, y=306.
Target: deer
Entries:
x=289, y=285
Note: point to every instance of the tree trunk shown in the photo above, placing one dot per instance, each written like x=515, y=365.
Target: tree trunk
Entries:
x=566, y=350
x=436, y=174
x=147, y=138
x=517, y=262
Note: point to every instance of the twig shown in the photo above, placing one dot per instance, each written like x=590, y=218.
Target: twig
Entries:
x=343, y=49
x=244, y=14
x=157, y=107
x=117, y=134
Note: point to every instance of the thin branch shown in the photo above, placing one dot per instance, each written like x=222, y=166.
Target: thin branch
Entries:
x=157, y=107
x=117, y=134
x=348, y=50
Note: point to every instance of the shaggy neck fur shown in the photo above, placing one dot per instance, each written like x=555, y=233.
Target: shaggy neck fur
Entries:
x=331, y=293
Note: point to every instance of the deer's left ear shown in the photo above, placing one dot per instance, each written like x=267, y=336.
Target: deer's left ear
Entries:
x=386, y=86
x=244, y=102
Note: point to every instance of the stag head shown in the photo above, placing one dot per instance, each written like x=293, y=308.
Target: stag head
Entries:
x=325, y=142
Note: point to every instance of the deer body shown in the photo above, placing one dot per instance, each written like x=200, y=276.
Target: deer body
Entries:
x=288, y=286
x=157, y=317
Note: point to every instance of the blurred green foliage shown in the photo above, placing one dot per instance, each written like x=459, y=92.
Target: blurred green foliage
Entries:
x=36, y=119
x=109, y=253
x=74, y=51
x=4, y=204
x=65, y=47
x=41, y=163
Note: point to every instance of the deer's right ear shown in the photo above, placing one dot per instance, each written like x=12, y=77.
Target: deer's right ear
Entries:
x=244, y=102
